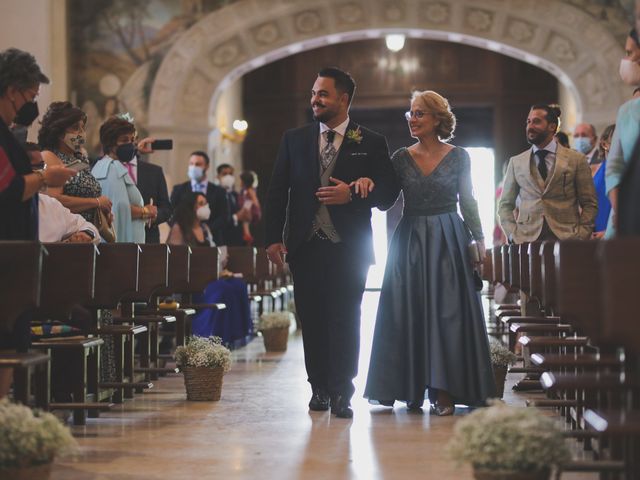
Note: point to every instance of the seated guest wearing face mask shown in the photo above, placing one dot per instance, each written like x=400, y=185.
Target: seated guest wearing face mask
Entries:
x=191, y=217
x=56, y=223
x=62, y=138
x=118, y=136
x=232, y=324
x=215, y=195
x=20, y=79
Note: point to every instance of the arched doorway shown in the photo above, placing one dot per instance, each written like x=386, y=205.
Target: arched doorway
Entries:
x=238, y=38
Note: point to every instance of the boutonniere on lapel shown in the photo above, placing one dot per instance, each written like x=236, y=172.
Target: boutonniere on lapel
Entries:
x=354, y=136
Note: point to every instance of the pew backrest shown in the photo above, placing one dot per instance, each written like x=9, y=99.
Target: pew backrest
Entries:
x=20, y=279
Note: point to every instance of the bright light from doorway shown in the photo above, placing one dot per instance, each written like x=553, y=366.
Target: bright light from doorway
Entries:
x=483, y=179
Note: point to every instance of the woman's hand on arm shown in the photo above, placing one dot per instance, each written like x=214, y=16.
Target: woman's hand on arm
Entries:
x=363, y=186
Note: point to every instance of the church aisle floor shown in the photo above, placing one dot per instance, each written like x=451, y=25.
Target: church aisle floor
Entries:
x=262, y=429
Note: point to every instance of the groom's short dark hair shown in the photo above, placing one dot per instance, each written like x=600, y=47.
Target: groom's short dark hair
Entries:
x=344, y=81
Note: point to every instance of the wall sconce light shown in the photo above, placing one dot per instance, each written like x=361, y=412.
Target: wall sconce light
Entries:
x=239, y=131
x=395, y=41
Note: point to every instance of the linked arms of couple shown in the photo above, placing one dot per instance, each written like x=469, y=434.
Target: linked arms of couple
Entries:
x=340, y=193
x=337, y=194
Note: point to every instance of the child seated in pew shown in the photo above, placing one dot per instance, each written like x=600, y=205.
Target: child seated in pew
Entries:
x=233, y=324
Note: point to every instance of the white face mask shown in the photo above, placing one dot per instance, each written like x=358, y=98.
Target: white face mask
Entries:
x=203, y=213
x=630, y=72
x=227, y=182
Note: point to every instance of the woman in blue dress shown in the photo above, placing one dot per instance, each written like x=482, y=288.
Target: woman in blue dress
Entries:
x=604, y=205
x=233, y=324
x=430, y=331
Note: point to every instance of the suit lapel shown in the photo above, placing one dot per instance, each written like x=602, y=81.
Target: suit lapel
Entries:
x=312, y=158
x=345, y=149
x=529, y=165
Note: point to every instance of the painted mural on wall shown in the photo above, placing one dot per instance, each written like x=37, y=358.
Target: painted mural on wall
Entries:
x=116, y=47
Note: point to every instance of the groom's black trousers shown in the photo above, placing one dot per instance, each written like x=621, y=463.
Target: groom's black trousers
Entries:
x=329, y=281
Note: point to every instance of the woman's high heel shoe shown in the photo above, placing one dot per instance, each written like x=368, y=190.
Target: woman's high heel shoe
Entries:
x=442, y=411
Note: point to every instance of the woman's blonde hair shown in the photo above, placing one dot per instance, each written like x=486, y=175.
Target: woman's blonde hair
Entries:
x=439, y=107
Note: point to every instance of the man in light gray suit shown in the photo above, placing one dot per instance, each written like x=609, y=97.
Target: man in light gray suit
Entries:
x=557, y=196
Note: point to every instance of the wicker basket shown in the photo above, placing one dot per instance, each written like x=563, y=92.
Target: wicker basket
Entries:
x=482, y=474
x=203, y=383
x=275, y=339
x=500, y=376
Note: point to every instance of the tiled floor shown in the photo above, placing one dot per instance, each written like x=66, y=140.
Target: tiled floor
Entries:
x=262, y=429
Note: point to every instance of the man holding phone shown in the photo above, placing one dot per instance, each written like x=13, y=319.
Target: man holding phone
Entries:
x=150, y=180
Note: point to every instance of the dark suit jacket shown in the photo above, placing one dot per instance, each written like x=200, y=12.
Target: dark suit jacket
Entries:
x=152, y=184
x=296, y=178
x=233, y=232
x=217, y=199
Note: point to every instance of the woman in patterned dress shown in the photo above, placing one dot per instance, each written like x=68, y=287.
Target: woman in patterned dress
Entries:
x=62, y=139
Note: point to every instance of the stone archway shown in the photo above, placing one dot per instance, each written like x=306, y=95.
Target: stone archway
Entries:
x=238, y=38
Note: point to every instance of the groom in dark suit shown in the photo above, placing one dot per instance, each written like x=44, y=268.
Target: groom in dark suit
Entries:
x=327, y=177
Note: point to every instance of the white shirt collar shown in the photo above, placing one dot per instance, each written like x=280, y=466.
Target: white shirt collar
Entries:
x=552, y=147
x=340, y=129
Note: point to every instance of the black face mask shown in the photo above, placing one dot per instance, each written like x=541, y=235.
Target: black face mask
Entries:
x=126, y=152
x=27, y=114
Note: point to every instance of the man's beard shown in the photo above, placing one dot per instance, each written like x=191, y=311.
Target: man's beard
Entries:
x=324, y=115
x=537, y=138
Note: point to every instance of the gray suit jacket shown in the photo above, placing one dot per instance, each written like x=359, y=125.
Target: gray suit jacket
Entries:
x=567, y=200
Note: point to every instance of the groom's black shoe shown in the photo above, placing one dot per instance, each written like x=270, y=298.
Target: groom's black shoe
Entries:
x=319, y=400
x=341, y=407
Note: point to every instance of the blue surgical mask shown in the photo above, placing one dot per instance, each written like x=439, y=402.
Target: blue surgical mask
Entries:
x=582, y=144
x=195, y=173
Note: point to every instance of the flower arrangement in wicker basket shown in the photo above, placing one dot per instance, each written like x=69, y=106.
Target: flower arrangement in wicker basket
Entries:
x=275, y=330
x=203, y=361
x=501, y=358
x=508, y=443
x=29, y=442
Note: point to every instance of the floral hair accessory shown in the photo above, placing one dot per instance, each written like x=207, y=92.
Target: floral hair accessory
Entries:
x=125, y=116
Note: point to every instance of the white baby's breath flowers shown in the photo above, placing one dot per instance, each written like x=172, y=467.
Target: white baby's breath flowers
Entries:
x=501, y=356
x=276, y=320
x=204, y=352
x=30, y=437
x=501, y=437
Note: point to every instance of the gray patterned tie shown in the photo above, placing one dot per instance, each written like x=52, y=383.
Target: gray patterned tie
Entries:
x=329, y=152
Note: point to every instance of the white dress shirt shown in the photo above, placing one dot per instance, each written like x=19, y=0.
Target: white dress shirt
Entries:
x=550, y=158
x=337, y=140
x=200, y=186
x=56, y=223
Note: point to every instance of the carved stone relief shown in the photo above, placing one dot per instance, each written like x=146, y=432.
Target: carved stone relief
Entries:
x=350, y=13
x=266, y=33
x=196, y=94
x=435, y=12
x=480, y=20
x=561, y=48
x=227, y=53
x=393, y=11
x=519, y=30
x=308, y=22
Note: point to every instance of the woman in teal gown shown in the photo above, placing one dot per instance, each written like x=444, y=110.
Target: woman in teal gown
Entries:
x=430, y=331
